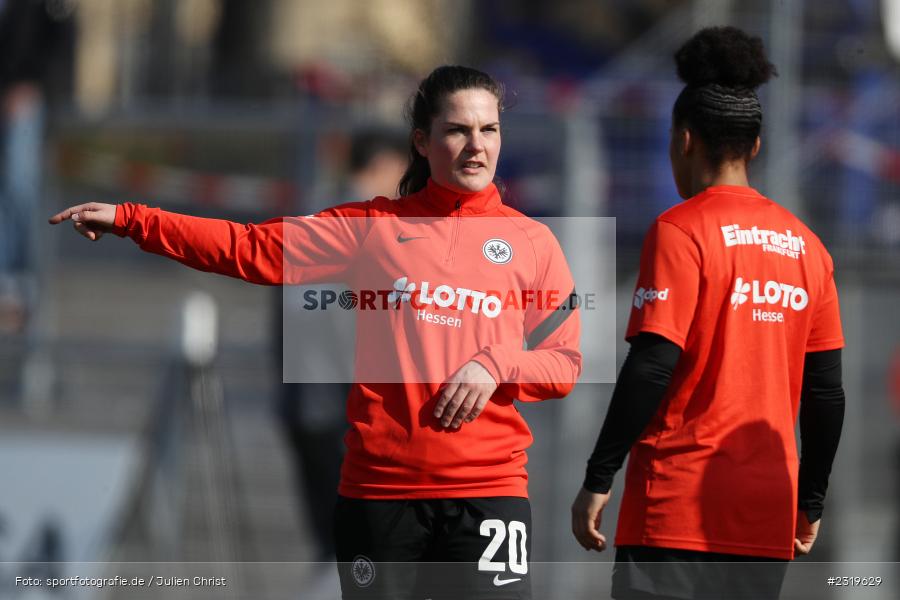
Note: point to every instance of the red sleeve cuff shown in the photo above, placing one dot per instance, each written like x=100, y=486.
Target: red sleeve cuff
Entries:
x=123, y=216
x=488, y=361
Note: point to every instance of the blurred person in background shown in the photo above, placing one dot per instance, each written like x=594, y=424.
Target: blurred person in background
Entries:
x=312, y=414
x=435, y=462
x=35, y=51
x=734, y=329
x=376, y=164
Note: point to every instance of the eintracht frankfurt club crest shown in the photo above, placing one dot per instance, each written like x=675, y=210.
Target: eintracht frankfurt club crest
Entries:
x=363, y=571
x=497, y=251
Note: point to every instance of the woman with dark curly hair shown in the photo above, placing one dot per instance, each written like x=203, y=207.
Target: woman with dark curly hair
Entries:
x=734, y=331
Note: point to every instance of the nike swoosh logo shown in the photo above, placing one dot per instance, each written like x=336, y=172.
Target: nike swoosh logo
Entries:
x=498, y=582
x=403, y=240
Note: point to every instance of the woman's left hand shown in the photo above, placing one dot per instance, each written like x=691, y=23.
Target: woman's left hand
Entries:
x=464, y=395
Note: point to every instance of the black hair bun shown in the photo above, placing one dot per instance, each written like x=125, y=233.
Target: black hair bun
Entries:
x=724, y=55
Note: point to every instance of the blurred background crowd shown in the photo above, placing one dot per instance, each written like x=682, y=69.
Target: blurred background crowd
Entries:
x=120, y=443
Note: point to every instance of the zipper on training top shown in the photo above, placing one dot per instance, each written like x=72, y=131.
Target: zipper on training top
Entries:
x=454, y=232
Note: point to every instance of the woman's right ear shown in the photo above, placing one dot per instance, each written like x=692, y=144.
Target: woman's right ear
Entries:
x=685, y=141
x=420, y=141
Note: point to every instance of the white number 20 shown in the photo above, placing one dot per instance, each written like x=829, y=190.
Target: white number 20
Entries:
x=518, y=553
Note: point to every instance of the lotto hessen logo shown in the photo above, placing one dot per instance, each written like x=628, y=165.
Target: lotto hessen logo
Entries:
x=445, y=296
x=643, y=296
x=772, y=293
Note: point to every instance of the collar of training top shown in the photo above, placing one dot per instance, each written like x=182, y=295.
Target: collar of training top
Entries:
x=442, y=201
x=742, y=190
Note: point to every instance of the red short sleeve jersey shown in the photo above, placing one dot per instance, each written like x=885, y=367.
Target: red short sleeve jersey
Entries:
x=746, y=290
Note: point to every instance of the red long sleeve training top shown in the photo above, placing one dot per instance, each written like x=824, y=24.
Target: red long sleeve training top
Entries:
x=451, y=278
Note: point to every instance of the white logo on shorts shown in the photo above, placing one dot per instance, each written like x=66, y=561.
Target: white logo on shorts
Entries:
x=498, y=582
x=363, y=571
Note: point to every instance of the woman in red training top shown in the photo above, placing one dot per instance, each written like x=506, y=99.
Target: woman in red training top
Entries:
x=734, y=329
x=435, y=463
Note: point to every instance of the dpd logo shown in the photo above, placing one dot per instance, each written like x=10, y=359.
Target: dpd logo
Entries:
x=642, y=296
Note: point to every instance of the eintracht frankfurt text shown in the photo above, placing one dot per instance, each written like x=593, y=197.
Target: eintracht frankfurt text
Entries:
x=786, y=243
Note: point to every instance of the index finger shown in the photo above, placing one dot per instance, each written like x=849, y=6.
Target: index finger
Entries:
x=67, y=214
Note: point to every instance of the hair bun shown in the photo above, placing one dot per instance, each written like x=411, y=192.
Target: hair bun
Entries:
x=724, y=55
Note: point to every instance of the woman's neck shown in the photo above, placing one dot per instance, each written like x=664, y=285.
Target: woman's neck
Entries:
x=729, y=173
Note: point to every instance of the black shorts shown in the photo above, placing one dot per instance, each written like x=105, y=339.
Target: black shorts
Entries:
x=649, y=573
x=473, y=548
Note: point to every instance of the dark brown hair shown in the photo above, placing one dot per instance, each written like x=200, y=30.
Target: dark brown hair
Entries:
x=425, y=104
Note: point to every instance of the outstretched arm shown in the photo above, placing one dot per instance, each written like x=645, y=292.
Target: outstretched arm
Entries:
x=282, y=250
